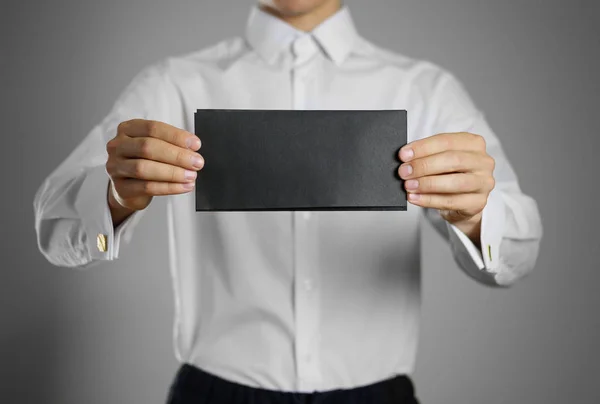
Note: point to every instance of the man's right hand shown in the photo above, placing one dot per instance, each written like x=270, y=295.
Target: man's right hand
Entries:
x=148, y=158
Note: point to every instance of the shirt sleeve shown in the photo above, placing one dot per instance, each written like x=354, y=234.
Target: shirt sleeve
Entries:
x=511, y=228
x=72, y=218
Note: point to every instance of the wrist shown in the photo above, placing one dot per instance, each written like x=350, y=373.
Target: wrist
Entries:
x=471, y=227
x=113, y=204
x=118, y=212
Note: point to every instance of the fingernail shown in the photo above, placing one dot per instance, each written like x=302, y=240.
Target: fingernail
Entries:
x=406, y=154
x=197, y=161
x=190, y=175
x=188, y=185
x=405, y=170
x=414, y=197
x=412, y=184
x=193, y=143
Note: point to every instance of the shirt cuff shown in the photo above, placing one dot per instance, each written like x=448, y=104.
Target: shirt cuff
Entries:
x=102, y=239
x=492, y=231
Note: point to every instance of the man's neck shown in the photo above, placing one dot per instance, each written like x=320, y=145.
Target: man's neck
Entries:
x=308, y=21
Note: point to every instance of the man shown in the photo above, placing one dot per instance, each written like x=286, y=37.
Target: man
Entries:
x=293, y=307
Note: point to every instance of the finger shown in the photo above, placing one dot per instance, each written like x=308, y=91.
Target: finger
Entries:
x=442, y=163
x=440, y=143
x=466, y=204
x=158, y=150
x=129, y=188
x=449, y=184
x=160, y=130
x=154, y=171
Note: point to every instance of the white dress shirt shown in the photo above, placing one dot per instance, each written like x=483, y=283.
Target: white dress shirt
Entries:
x=297, y=301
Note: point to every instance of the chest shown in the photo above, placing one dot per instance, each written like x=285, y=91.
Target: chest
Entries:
x=315, y=84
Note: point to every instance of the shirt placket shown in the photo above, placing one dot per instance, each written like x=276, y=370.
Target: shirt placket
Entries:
x=306, y=298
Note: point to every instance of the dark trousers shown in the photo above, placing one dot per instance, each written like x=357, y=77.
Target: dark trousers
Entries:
x=195, y=386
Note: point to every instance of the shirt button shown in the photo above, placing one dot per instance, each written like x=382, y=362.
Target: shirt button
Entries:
x=308, y=286
x=307, y=358
x=306, y=215
x=101, y=242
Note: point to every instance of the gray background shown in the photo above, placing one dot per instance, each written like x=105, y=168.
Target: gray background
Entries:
x=104, y=336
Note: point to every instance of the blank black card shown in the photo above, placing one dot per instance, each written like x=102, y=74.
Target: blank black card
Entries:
x=300, y=160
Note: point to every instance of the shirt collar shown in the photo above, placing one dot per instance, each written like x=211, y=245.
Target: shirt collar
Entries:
x=269, y=35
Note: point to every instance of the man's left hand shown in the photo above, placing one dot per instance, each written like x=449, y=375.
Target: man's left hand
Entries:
x=451, y=172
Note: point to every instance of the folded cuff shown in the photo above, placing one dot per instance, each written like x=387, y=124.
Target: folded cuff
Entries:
x=492, y=230
x=92, y=207
x=103, y=240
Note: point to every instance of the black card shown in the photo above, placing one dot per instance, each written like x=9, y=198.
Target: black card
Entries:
x=300, y=160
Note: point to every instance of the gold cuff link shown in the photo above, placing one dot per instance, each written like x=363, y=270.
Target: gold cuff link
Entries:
x=101, y=242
